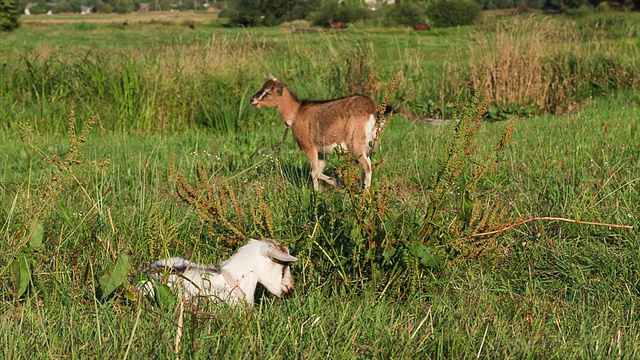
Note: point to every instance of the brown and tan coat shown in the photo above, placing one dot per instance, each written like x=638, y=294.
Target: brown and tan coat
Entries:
x=319, y=126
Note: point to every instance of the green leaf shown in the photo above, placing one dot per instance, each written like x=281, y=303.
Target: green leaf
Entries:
x=165, y=297
x=64, y=212
x=37, y=235
x=22, y=273
x=387, y=254
x=109, y=283
x=425, y=254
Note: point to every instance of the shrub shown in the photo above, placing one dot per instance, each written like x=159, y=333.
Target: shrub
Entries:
x=62, y=8
x=406, y=13
x=9, y=15
x=582, y=11
x=346, y=11
x=603, y=7
x=123, y=6
x=498, y=4
x=447, y=13
x=267, y=13
x=104, y=8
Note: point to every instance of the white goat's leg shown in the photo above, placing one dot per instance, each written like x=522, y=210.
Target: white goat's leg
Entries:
x=366, y=170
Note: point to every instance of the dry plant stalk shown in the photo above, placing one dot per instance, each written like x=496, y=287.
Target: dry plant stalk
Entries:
x=211, y=200
x=515, y=57
x=547, y=218
x=216, y=204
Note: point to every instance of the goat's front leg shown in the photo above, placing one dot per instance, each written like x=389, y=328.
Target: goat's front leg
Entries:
x=328, y=179
x=317, y=166
x=312, y=154
x=366, y=170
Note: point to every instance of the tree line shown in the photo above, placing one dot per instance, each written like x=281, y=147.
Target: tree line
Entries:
x=437, y=13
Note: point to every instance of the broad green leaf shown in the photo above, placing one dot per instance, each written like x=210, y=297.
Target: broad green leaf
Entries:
x=425, y=254
x=165, y=297
x=37, y=235
x=22, y=273
x=109, y=283
x=64, y=212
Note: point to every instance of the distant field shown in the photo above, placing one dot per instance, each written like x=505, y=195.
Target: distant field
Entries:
x=101, y=125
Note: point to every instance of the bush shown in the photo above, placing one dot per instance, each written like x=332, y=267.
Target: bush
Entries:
x=267, y=12
x=603, y=7
x=104, y=8
x=123, y=6
x=9, y=15
x=498, y=4
x=406, y=13
x=346, y=11
x=582, y=11
x=447, y=13
x=228, y=13
x=62, y=8
x=38, y=10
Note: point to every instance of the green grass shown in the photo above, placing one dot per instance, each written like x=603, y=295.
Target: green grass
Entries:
x=548, y=289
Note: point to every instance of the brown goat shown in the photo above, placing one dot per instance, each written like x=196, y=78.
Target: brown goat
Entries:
x=319, y=126
x=336, y=25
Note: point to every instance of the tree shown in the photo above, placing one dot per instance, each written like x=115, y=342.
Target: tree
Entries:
x=123, y=6
x=446, y=13
x=9, y=15
x=268, y=12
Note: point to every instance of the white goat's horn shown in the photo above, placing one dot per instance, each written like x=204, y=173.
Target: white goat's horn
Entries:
x=272, y=77
x=280, y=256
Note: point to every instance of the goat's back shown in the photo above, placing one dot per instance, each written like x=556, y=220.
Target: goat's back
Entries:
x=335, y=121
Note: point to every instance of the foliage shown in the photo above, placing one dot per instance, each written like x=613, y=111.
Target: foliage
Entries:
x=405, y=13
x=67, y=7
x=447, y=13
x=9, y=19
x=267, y=13
x=500, y=4
x=348, y=11
x=123, y=6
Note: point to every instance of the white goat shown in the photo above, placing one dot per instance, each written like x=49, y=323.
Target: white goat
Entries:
x=263, y=261
x=318, y=126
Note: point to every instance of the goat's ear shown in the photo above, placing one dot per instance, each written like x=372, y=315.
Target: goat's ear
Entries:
x=280, y=90
x=279, y=256
x=271, y=77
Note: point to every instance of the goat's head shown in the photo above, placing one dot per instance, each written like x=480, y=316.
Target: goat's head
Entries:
x=269, y=95
x=275, y=274
x=271, y=264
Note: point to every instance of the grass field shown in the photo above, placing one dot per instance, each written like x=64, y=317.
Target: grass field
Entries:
x=102, y=125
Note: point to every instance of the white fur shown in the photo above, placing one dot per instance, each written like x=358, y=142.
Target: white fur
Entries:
x=260, y=261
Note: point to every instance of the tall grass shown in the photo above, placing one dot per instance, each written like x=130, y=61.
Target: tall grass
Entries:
x=549, y=65
x=543, y=64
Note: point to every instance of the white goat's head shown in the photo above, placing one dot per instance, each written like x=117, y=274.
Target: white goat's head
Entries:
x=268, y=260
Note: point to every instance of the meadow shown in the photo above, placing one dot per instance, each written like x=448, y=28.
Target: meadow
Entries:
x=502, y=220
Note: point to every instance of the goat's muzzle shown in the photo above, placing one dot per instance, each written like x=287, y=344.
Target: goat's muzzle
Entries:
x=255, y=103
x=288, y=291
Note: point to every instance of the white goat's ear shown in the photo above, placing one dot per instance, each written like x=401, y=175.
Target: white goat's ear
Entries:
x=279, y=256
x=272, y=77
